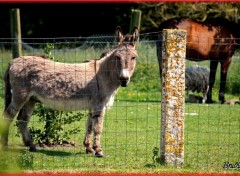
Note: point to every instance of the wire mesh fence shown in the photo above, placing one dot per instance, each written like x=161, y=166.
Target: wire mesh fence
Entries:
x=131, y=132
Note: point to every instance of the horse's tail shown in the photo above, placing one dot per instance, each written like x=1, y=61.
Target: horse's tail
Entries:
x=8, y=93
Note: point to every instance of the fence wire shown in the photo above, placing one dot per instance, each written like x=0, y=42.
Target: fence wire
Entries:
x=131, y=132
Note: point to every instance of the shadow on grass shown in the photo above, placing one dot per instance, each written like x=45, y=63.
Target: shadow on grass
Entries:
x=59, y=153
x=54, y=153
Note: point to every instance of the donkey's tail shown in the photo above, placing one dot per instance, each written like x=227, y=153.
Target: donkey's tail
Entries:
x=8, y=93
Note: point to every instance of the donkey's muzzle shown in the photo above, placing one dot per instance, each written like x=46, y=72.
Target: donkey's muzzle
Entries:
x=124, y=77
x=124, y=82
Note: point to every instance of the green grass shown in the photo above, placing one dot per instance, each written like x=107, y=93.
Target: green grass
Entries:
x=132, y=128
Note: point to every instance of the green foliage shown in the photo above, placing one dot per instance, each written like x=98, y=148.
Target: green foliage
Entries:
x=25, y=159
x=147, y=74
x=47, y=50
x=156, y=156
x=53, y=131
x=155, y=14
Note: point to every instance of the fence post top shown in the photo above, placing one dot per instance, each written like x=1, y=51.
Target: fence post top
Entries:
x=175, y=30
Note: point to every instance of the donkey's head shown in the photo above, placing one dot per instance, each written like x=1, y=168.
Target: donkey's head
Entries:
x=124, y=57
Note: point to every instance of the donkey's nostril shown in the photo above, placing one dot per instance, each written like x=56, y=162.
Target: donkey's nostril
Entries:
x=124, y=81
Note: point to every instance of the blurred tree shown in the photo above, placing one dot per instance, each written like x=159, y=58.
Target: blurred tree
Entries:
x=85, y=19
x=47, y=20
x=154, y=14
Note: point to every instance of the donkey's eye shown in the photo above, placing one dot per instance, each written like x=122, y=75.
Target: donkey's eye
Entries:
x=133, y=58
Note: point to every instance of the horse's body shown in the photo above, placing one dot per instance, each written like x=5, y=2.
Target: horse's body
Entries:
x=91, y=85
x=213, y=40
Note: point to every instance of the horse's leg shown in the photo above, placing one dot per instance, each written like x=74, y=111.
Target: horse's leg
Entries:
x=9, y=113
x=23, y=119
x=89, y=134
x=97, y=121
x=213, y=70
x=223, y=78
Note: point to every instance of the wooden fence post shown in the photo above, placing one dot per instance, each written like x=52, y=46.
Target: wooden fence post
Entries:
x=16, y=32
x=135, y=19
x=173, y=90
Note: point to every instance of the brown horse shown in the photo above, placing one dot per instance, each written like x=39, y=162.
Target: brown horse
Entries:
x=214, y=40
x=69, y=86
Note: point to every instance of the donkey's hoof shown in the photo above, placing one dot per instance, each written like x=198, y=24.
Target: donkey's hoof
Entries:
x=33, y=149
x=90, y=151
x=99, y=154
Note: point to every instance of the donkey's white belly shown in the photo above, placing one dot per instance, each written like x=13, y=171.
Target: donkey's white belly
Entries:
x=67, y=104
x=73, y=104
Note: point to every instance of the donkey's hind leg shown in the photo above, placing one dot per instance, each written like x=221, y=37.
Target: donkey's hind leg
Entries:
x=9, y=113
x=23, y=119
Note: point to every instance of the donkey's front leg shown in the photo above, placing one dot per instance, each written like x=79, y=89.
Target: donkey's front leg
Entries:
x=97, y=121
x=88, y=136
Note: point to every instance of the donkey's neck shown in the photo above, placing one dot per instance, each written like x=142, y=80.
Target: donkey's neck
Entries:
x=104, y=74
x=102, y=65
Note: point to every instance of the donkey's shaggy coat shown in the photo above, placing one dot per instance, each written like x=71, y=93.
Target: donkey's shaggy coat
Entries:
x=91, y=85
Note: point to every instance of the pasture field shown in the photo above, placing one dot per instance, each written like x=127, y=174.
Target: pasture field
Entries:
x=131, y=133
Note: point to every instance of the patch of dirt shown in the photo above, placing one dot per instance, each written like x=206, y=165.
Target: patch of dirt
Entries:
x=64, y=144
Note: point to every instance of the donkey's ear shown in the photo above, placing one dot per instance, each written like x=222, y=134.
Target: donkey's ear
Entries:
x=135, y=35
x=118, y=34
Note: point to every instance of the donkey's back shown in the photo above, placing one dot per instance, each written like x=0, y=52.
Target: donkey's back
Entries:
x=58, y=85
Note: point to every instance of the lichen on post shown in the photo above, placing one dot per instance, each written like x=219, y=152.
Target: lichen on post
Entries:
x=173, y=91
